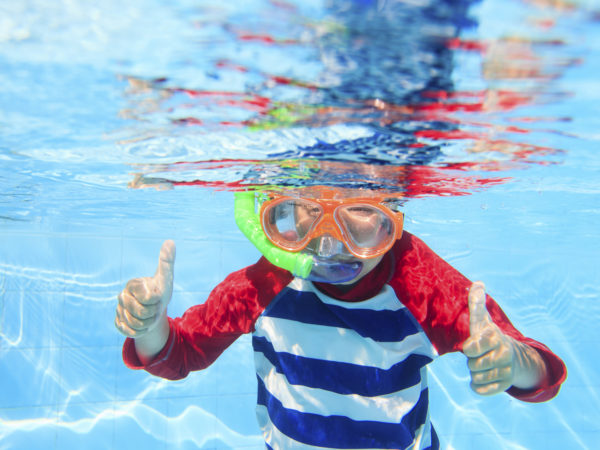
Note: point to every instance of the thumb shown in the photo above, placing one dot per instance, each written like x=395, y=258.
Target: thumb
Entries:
x=479, y=317
x=166, y=263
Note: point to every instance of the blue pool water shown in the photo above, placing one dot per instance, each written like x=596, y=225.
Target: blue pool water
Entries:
x=122, y=125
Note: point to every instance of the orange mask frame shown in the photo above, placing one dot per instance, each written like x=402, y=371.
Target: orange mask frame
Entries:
x=330, y=221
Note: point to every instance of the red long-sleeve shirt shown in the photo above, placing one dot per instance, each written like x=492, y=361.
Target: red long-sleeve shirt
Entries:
x=433, y=291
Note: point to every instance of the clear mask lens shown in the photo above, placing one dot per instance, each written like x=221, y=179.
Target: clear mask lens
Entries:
x=292, y=220
x=365, y=227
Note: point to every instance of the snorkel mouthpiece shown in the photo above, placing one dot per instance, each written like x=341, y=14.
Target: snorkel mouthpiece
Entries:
x=327, y=271
x=300, y=264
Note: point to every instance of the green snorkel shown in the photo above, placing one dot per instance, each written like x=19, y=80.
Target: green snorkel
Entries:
x=248, y=221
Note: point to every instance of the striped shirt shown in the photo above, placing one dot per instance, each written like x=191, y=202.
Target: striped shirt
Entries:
x=336, y=374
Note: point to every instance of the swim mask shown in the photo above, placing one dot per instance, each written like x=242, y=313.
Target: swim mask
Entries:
x=322, y=238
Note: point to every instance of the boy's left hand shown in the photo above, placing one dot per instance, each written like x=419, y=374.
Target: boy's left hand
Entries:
x=490, y=353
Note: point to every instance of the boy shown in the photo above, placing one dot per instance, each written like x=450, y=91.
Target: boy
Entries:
x=341, y=349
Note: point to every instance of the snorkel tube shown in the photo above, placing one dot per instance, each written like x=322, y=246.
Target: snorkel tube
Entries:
x=300, y=264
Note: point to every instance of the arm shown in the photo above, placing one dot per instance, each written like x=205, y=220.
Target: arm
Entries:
x=142, y=308
x=437, y=295
x=497, y=361
x=196, y=339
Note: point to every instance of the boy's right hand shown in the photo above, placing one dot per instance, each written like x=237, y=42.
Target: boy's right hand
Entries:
x=143, y=303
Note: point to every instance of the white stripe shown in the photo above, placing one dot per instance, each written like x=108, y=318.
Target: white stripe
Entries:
x=388, y=408
x=423, y=433
x=334, y=344
x=385, y=300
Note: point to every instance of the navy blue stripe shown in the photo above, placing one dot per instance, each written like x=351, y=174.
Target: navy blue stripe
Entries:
x=340, y=377
x=340, y=431
x=306, y=307
x=435, y=442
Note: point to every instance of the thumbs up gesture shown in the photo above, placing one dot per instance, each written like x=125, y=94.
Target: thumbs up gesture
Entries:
x=143, y=303
x=497, y=361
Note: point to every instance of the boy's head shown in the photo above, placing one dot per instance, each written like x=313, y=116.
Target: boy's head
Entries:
x=343, y=233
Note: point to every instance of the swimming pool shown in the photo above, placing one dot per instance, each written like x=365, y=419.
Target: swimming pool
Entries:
x=491, y=133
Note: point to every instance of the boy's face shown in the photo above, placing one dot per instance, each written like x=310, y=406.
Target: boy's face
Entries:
x=341, y=238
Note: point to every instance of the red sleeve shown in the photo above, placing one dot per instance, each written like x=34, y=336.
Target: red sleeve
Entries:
x=204, y=331
x=437, y=295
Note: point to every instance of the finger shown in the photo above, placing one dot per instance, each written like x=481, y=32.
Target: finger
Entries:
x=126, y=329
x=137, y=309
x=481, y=343
x=479, y=317
x=132, y=322
x=491, y=388
x=144, y=312
x=491, y=360
x=137, y=324
x=144, y=290
x=496, y=375
x=122, y=329
x=166, y=263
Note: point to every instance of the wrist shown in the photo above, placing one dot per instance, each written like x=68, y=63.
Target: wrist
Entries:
x=151, y=343
x=529, y=367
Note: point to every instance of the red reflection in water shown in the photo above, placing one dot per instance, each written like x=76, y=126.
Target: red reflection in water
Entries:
x=517, y=71
x=412, y=181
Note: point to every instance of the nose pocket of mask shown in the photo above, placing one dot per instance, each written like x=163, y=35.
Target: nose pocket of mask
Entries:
x=328, y=246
